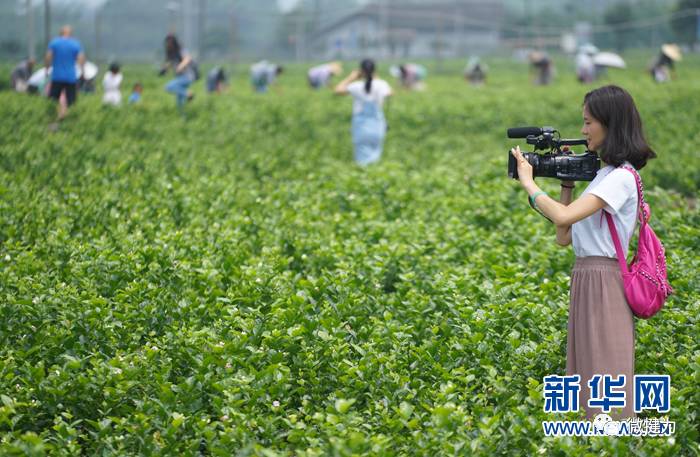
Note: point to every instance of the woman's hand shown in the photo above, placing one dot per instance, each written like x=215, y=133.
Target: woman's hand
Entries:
x=524, y=167
x=186, y=59
x=342, y=87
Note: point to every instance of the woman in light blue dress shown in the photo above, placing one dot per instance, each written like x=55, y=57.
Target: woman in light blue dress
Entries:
x=368, y=122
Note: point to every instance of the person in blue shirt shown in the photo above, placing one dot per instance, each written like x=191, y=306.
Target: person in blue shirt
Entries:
x=135, y=96
x=62, y=55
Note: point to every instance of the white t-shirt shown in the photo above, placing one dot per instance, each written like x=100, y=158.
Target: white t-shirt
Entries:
x=617, y=187
x=321, y=73
x=111, y=83
x=264, y=69
x=379, y=91
x=584, y=64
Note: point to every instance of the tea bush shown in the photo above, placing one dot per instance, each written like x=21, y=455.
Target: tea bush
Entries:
x=228, y=282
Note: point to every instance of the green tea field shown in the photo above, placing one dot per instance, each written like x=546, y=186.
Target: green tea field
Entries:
x=228, y=282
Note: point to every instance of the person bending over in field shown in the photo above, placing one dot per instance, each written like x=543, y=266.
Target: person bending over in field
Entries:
x=412, y=76
x=368, y=122
x=543, y=67
x=320, y=75
x=19, y=79
x=184, y=67
x=264, y=73
x=62, y=55
x=475, y=72
x=216, y=80
x=601, y=325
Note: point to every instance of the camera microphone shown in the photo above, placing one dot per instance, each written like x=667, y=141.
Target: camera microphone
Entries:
x=524, y=132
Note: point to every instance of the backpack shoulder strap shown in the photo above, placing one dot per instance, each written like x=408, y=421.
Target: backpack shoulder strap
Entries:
x=641, y=212
x=642, y=208
x=616, y=241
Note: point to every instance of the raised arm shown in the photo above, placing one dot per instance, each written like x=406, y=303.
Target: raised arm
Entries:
x=342, y=87
x=186, y=59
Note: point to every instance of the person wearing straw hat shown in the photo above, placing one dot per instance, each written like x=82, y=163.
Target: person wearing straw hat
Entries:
x=662, y=68
x=320, y=75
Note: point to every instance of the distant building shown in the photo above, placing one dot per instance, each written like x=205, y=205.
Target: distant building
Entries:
x=428, y=29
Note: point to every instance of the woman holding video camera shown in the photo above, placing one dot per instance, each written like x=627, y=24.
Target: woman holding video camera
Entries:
x=601, y=325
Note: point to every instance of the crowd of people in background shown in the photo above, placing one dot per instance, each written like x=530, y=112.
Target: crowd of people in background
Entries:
x=66, y=72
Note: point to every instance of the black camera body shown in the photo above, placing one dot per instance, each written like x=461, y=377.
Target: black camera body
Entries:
x=554, y=163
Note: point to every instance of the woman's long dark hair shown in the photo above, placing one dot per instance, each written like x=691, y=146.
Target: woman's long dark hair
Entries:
x=172, y=49
x=367, y=66
x=614, y=108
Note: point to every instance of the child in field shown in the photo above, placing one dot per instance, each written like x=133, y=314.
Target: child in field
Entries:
x=111, y=83
x=135, y=96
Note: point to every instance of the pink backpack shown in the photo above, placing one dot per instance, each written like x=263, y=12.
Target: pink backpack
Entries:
x=645, y=281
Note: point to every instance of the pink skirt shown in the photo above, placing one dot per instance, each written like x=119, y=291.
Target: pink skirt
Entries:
x=601, y=330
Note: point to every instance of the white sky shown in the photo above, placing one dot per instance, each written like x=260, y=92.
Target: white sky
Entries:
x=284, y=5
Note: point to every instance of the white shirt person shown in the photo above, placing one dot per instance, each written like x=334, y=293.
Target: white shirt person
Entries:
x=111, y=82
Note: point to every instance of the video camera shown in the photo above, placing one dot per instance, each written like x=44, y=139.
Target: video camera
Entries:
x=554, y=163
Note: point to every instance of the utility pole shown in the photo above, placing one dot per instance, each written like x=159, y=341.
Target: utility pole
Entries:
x=47, y=23
x=201, y=27
x=300, y=34
x=98, y=32
x=187, y=25
x=383, y=27
x=172, y=8
x=232, y=34
x=439, y=42
x=697, y=27
x=30, y=31
x=457, y=30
